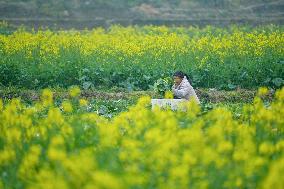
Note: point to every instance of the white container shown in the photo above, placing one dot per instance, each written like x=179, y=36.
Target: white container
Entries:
x=174, y=104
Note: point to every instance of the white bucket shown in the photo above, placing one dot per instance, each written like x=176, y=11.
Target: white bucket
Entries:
x=174, y=104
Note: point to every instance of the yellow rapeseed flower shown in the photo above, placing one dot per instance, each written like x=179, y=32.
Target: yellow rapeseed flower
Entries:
x=67, y=106
x=169, y=95
x=74, y=91
x=83, y=102
x=47, y=97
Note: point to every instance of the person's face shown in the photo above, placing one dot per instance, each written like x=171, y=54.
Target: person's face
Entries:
x=177, y=80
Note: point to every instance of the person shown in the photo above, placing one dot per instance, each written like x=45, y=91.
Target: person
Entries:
x=182, y=88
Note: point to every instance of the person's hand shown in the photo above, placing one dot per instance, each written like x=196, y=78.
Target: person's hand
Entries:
x=175, y=85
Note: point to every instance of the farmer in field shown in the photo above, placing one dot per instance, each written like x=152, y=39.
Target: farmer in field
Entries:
x=182, y=88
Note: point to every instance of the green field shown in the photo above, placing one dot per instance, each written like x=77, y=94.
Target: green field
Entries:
x=137, y=57
x=75, y=108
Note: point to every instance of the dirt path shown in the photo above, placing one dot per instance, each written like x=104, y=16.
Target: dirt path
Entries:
x=207, y=95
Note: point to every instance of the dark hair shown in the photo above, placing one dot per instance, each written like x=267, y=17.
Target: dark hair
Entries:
x=181, y=75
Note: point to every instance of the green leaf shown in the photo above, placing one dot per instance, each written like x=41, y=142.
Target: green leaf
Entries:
x=278, y=82
x=231, y=86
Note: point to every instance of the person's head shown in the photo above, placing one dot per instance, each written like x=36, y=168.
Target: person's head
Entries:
x=178, y=77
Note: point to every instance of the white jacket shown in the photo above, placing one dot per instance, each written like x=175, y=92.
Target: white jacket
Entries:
x=185, y=91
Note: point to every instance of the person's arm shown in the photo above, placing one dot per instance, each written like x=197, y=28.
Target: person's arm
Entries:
x=181, y=92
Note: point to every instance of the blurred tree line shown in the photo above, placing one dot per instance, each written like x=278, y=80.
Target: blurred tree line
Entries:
x=59, y=8
x=65, y=4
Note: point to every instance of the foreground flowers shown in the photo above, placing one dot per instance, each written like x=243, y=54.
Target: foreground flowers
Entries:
x=44, y=146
